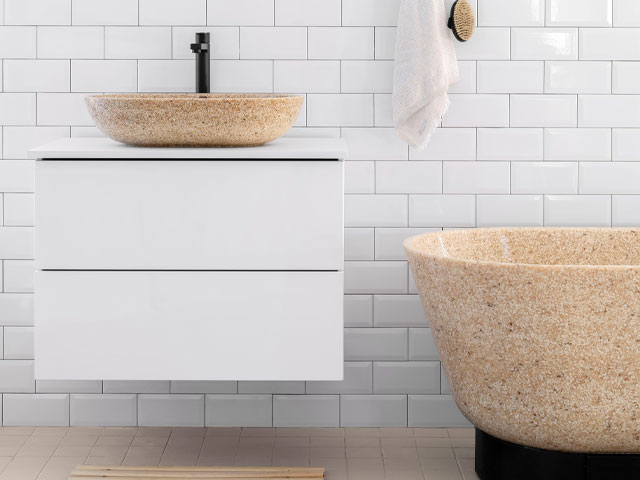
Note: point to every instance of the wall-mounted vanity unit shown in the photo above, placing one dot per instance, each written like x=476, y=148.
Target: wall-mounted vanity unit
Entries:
x=189, y=264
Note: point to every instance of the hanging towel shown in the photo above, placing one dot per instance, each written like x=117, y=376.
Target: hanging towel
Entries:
x=425, y=67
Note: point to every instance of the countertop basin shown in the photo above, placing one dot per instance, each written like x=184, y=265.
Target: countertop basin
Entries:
x=194, y=120
x=538, y=331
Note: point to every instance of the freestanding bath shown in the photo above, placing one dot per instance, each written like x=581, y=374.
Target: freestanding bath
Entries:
x=539, y=334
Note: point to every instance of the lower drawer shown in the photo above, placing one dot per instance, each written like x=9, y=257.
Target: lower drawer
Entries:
x=189, y=325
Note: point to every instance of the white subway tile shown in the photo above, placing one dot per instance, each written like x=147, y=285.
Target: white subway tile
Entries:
x=511, y=13
x=626, y=144
x=347, y=110
x=104, y=75
x=610, y=178
x=37, y=12
x=579, y=13
x=394, y=311
x=609, y=44
x=169, y=12
x=626, y=77
x=406, y=377
x=17, y=108
x=626, y=13
x=166, y=76
x=544, y=111
x=442, y=211
x=383, y=110
x=242, y=76
x=225, y=42
x=409, y=177
x=422, y=346
x=544, y=44
x=477, y=111
x=367, y=76
x=35, y=410
x=609, y=111
x=16, y=243
x=374, y=144
x=171, y=410
x=306, y=411
x=70, y=42
x=373, y=410
x=203, y=386
x=379, y=13
x=308, y=12
x=375, y=210
x=105, y=12
x=577, y=210
x=240, y=12
x=577, y=77
x=448, y=144
x=18, y=276
x=358, y=380
x=264, y=387
x=359, y=244
x=238, y=411
x=435, y=411
x=16, y=176
x=63, y=109
x=19, y=209
x=488, y=44
x=19, y=140
x=103, y=410
x=17, y=42
x=68, y=386
x=137, y=42
x=16, y=376
x=510, y=144
x=341, y=43
x=510, y=77
x=386, y=42
x=510, y=210
x=476, y=177
x=36, y=76
x=375, y=277
x=358, y=311
x=283, y=43
x=359, y=177
x=626, y=211
x=132, y=386
x=468, y=78
x=389, y=241
x=544, y=177
x=18, y=343
x=306, y=76
x=581, y=144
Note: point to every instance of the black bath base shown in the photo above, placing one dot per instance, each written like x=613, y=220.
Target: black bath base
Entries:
x=500, y=460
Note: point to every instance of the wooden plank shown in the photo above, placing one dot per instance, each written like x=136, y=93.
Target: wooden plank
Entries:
x=92, y=472
x=185, y=476
x=317, y=470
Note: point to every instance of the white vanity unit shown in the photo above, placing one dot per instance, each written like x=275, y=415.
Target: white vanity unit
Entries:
x=189, y=264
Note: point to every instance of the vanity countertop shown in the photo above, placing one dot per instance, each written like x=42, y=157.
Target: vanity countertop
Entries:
x=281, y=149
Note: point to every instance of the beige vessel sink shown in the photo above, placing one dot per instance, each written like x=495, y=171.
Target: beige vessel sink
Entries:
x=538, y=331
x=194, y=120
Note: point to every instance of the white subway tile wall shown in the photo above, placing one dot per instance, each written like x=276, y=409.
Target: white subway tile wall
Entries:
x=543, y=129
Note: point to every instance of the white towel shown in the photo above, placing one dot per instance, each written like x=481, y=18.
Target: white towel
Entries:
x=425, y=67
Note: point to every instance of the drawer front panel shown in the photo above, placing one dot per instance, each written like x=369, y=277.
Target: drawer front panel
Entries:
x=189, y=325
x=189, y=215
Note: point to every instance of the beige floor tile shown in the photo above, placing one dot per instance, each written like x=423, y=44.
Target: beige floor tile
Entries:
x=461, y=432
x=293, y=452
x=396, y=432
x=189, y=431
x=141, y=461
x=364, y=452
x=326, y=452
x=435, y=441
x=153, y=431
x=4, y=461
x=104, y=460
x=465, y=452
x=362, y=441
x=148, y=441
x=362, y=432
x=73, y=451
x=25, y=468
x=79, y=440
x=216, y=461
x=223, y=432
x=59, y=468
x=120, y=431
x=435, y=452
x=23, y=431
x=293, y=432
x=108, y=451
x=145, y=452
x=297, y=441
x=210, y=442
x=326, y=432
x=258, y=432
x=113, y=441
x=48, y=440
x=290, y=462
x=365, y=469
x=334, y=468
x=50, y=431
x=441, y=469
x=327, y=441
x=400, y=452
x=84, y=431
x=398, y=442
x=403, y=470
x=36, y=451
x=463, y=441
x=430, y=432
x=257, y=441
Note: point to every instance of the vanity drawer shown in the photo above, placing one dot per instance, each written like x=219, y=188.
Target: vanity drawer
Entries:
x=189, y=215
x=189, y=325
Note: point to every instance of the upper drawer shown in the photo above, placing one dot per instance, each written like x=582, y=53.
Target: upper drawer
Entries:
x=189, y=215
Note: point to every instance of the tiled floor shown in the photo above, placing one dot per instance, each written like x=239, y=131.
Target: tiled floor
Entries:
x=347, y=453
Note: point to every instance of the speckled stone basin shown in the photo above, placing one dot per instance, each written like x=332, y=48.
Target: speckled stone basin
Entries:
x=538, y=331
x=194, y=120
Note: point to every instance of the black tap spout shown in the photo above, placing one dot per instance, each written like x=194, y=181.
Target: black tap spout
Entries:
x=202, y=49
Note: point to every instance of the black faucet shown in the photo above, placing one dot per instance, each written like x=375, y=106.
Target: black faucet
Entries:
x=203, y=68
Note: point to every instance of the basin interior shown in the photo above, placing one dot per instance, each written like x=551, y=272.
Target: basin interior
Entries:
x=534, y=246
